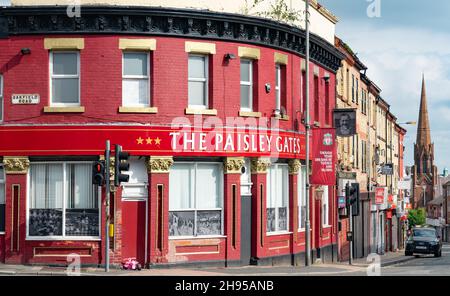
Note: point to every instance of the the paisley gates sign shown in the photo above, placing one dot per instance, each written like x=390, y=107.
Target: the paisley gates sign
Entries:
x=144, y=140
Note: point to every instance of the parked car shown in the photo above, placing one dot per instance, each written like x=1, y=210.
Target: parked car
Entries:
x=423, y=240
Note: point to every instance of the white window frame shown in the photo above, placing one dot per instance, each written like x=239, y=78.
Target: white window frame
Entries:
x=52, y=76
x=248, y=83
x=2, y=183
x=194, y=203
x=278, y=88
x=2, y=104
x=64, y=202
x=326, y=200
x=268, y=189
x=301, y=198
x=140, y=77
x=357, y=91
x=204, y=80
x=353, y=88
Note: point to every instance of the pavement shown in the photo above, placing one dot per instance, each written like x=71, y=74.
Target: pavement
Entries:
x=359, y=267
x=387, y=259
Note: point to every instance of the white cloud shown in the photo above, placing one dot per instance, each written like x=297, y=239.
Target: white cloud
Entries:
x=396, y=58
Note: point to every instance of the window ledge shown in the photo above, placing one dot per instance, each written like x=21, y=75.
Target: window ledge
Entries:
x=249, y=114
x=278, y=233
x=316, y=124
x=2, y=233
x=66, y=238
x=192, y=111
x=75, y=109
x=197, y=237
x=148, y=110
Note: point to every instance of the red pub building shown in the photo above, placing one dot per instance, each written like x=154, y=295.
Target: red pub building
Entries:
x=210, y=107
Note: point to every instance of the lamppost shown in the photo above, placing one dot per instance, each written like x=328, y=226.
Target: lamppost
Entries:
x=307, y=127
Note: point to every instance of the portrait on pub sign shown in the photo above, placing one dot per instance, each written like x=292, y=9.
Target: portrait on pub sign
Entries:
x=345, y=122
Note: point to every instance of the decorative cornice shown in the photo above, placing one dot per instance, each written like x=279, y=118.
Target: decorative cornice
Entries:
x=294, y=166
x=16, y=165
x=154, y=21
x=159, y=164
x=233, y=165
x=260, y=165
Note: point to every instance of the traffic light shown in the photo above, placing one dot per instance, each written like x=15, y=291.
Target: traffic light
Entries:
x=352, y=195
x=121, y=164
x=98, y=173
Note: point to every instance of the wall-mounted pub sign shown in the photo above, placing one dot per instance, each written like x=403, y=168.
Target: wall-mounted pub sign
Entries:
x=23, y=99
x=344, y=122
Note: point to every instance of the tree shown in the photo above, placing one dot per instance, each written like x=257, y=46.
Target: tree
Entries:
x=278, y=11
x=416, y=217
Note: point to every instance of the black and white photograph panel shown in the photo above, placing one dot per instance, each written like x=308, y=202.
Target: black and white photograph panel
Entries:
x=181, y=223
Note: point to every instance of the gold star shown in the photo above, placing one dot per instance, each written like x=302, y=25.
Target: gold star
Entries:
x=140, y=140
x=149, y=140
x=157, y=141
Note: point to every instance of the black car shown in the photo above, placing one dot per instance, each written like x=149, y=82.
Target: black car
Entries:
x=424, y=240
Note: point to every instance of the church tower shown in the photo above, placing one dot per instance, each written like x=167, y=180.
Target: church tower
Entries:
x=424, y=171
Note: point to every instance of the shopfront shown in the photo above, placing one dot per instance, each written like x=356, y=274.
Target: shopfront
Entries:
x=174, y=209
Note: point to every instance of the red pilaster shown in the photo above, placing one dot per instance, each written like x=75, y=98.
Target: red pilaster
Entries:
x=259, y=180
x=293, y=201
x=232, y=206
x=15, y=210
x=158, y=209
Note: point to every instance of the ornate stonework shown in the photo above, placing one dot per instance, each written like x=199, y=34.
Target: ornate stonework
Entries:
x=233, y=165
x=260, y=165
x=16, y=164
x=159, y=21
x=294, y=166
x=159, y=164
x=112, y=160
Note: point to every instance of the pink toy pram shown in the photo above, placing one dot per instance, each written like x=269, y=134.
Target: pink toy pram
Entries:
x=131, y=264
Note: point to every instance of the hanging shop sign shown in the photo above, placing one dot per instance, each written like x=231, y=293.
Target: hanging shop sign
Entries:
x=25, y=99
x=345, y=122
x=380, y=195
x=387, y=169
x=324, y=156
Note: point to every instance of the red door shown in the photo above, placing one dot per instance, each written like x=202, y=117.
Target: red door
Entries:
x=134, y=220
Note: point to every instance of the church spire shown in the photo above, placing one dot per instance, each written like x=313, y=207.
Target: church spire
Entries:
x=423, y=128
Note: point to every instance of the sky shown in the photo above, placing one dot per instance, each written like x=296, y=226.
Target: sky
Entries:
x=402, y=40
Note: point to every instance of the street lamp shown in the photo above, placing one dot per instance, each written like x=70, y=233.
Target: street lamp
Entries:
x=308, y=130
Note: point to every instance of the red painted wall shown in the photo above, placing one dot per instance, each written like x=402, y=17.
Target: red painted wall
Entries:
x=101, y=81
x=101, y=89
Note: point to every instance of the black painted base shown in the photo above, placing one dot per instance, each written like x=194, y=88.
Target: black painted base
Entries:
x=327, y=254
